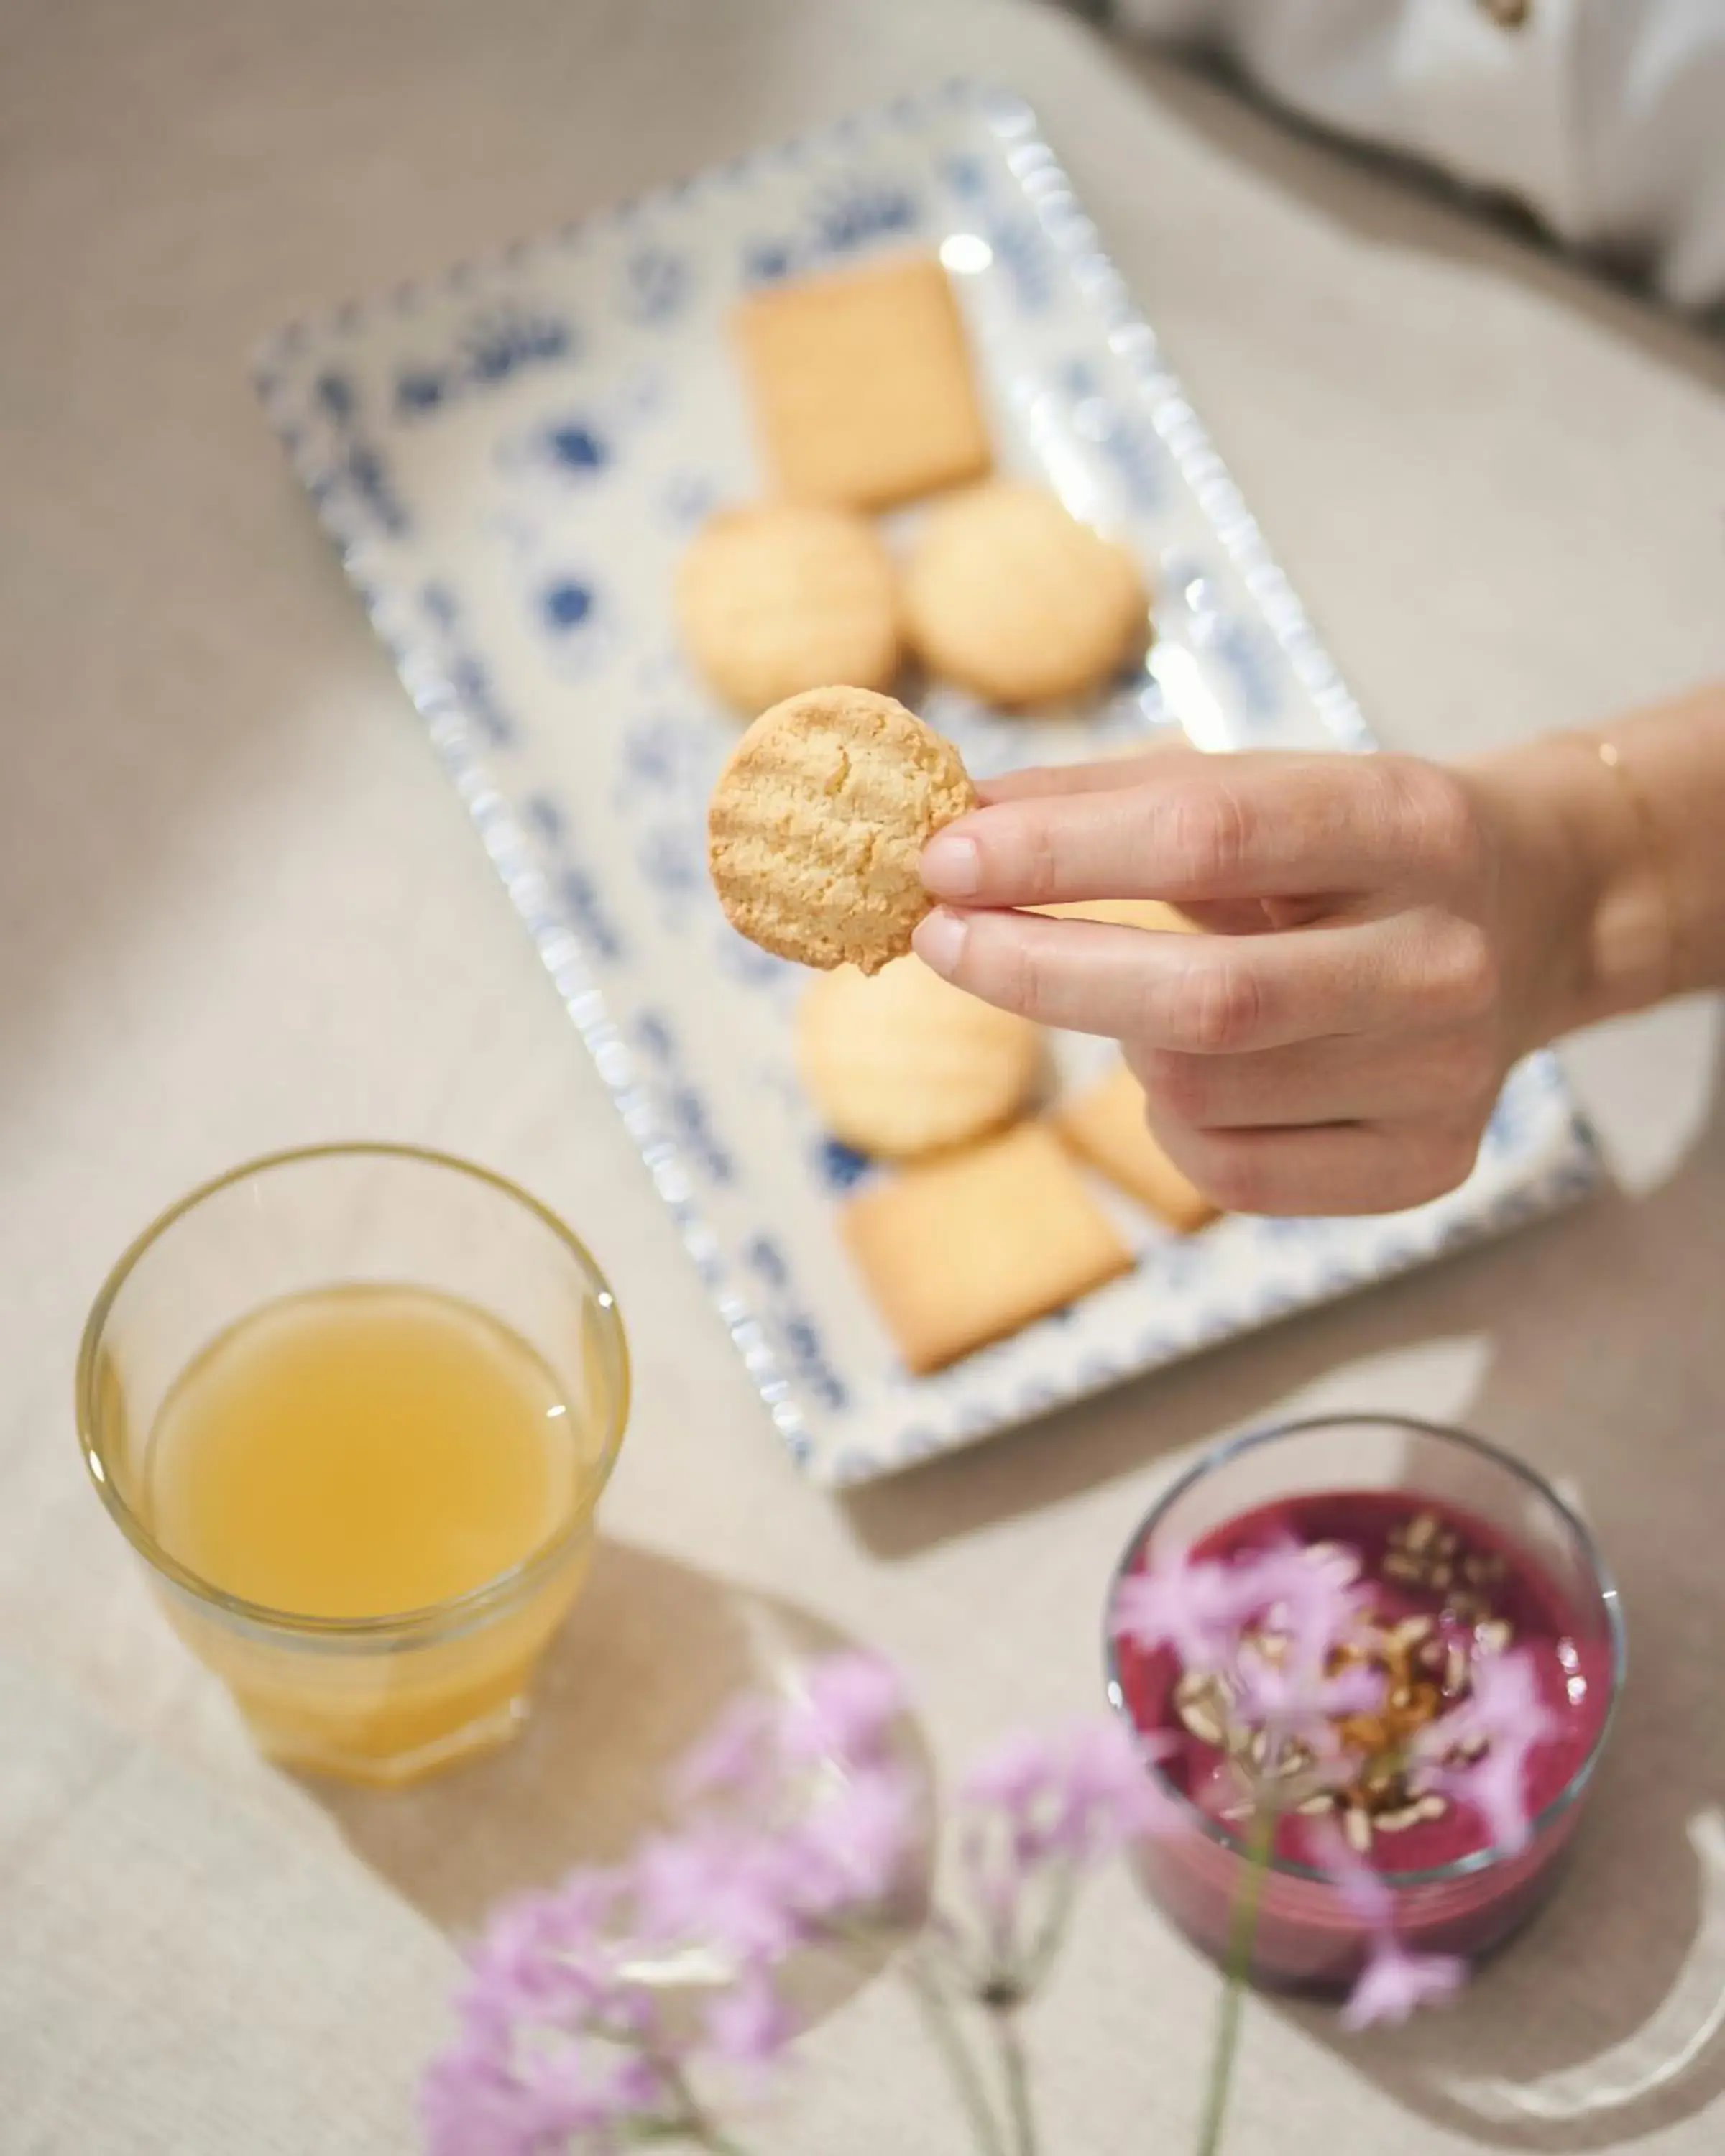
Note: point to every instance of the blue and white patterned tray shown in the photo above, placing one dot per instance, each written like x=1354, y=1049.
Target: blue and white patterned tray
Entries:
x=511, y=460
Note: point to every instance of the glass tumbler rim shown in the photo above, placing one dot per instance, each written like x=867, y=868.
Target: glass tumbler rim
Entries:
x=391, y=1630
x=1217, y=1457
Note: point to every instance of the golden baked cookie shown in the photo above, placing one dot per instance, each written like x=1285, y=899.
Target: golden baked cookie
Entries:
x=785, y=595
x=902, y=1063
x=1007, y=594
x=819, y=821
x=1106, y=1125
x=969, y=1246
x=862, y=385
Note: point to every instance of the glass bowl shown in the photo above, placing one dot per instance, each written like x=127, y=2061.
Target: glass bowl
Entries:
x=1308, y=1935
x=380, y=1698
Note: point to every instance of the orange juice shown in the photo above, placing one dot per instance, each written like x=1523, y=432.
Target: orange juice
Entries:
x=364, y=1452
x=360, y=1452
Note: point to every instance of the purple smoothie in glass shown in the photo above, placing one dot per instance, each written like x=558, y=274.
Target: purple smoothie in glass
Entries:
x=1444, y=1580
x=1471, y=1584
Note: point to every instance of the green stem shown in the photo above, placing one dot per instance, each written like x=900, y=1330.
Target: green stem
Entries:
x=1040, y=1958
x=693, y=2125
x=1017, y=2072
x=948, y=2040
x=1242, y=1934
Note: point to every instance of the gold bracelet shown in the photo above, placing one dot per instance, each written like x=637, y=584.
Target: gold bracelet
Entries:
x=1656, y=855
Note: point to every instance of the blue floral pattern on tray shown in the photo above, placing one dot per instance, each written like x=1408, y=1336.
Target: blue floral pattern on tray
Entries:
x=510, y=458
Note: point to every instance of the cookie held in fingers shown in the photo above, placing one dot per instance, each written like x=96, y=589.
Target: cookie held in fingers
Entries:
x=784, y=596
x=817, y=825
x=1008, y=594
x=1106, y=1125
x=969, y=1246
x=902, y=1063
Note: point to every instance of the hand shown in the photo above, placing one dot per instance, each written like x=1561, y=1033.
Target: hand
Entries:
x=1382, y=939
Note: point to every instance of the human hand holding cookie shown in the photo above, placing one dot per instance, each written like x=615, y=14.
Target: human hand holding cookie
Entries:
x=1335, y=1039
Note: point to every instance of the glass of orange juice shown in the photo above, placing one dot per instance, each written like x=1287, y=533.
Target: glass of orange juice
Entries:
x=354, y=1406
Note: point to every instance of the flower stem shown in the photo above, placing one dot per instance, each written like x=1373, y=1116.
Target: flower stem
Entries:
x=948, y=2040
x=1242, y=1934
x=1040, y=1958
x=1017, y=2072
x=694, y=2124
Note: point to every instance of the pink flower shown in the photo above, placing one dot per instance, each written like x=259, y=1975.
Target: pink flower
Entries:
x=1013, y=1776
x=1307, y=1597
x=1503, y=1710
x=582, y=2095
x=735, y=1757
x=518, y=2091
x=1113, y=1799
x=1359, y=1885
x=715, y=1886
x=1202, y=1608
x=1396, y=1984
x=1495, y=1787
x=545, y=1957
x=1079, y=1796
x=1269, y=1624
x=748, y=2025
x=469, y=2101
x=1293, y=1700
x=1193, y=1608
x=754, y=1893
x=1503, y=1702
x=846, y=1712
x=1072, y=1799
x=851, y=1852
x=1393, y=1982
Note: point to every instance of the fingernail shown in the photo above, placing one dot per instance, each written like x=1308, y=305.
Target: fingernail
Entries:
x=951, y=867
x=939, y=940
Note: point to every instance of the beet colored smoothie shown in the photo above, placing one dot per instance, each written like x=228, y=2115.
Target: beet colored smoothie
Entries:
x=1444, y=1584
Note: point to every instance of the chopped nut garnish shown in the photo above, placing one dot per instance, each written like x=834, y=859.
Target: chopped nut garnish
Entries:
x=1424, y=1658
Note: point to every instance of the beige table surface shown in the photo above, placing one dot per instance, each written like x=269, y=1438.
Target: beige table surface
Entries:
x=241, y=908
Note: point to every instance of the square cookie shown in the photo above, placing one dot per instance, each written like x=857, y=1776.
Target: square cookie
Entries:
x=862, y=385
x=1105, y=1124
x=962, y=1249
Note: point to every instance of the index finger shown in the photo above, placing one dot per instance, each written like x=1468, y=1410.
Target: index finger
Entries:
x=1209, y=828
x=1140, y=760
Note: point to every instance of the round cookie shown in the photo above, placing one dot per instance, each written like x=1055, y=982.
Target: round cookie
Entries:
x=819, y=821
x=905, y=1064
x=783, y=596
x=1009, y=595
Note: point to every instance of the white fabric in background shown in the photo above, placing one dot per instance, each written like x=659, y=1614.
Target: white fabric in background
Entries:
x=1606, y=118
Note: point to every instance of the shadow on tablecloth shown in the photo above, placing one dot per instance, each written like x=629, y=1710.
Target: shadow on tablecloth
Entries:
x=652, y=1652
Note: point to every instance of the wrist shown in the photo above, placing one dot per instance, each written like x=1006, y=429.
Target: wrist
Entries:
x=1580, y=880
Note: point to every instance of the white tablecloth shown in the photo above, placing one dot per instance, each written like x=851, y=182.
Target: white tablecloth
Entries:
x=240, y=908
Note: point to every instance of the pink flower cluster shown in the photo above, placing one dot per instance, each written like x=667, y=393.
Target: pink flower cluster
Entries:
x=1503, y=1712
x=1036, y=1813
x=800, y=1822
x=798, y=1819
x=1218, y=1617
x=1394, y=1983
